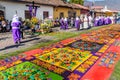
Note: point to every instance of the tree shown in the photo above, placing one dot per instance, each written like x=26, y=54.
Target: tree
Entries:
x=77, y=1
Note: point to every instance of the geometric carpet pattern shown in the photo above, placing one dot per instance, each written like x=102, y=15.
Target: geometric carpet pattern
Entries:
x=90, y=56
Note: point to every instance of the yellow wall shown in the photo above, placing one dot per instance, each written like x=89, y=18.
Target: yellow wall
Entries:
x=77, y=12
x=58, y=10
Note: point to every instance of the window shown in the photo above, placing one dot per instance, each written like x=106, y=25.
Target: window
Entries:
x=45, y=14
x=61, y=15
x=27, y=14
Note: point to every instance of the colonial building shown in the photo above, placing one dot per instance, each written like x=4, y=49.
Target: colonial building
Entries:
x=64, y=9
x=10, y=7
x=83, y=9
x=46, y=8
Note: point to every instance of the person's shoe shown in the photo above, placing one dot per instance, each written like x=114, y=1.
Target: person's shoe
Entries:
x=23, y=38
x=18, y=42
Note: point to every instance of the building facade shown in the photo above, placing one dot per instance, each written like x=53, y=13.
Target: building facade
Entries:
x=9, y=8
x=62, y=12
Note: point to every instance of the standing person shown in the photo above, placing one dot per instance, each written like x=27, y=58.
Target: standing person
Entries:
x=96, y=21
x=82, y=22
x=4, y=24
x=72, y=22
x=112, y=19
x=77, y=23
x=66, y=23
x=86, y=22
x=16, y=29
x=115, y=19
x=62, y=23
x=21, y=28
x=90, y=23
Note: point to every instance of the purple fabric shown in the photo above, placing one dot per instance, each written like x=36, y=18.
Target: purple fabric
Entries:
x=96, y=23
x=65, y=25
x=30, y=9
x=15, y=24
x=16, y=31
x=108, y=21
x=100, y=22
x=16, y=35
x=62, y=24
x=35, y=11
x=77, y=24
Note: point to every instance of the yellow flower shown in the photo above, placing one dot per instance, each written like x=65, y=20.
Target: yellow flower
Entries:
x=34, y=20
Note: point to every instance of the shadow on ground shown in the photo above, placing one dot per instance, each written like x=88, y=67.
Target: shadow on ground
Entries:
x=16, y=46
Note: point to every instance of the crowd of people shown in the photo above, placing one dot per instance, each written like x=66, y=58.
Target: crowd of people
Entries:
x=86, y=22
x=17, y=26
x=5, y=25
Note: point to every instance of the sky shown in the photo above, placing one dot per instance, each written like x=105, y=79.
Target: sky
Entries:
x=95, y=0
x=111, y=4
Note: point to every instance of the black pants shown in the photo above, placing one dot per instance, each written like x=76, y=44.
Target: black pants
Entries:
x=4, y=29
x=21, y=34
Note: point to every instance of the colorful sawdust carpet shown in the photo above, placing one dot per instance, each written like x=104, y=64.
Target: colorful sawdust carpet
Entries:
x=86, y=57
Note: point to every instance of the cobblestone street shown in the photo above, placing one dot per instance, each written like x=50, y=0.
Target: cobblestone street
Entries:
x=7, y=44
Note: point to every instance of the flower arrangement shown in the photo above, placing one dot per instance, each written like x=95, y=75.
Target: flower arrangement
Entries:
x=46, y=26
x=28, y=23
x=34, y=20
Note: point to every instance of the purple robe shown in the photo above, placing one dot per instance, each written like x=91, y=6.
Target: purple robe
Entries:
x=103, y=23
x=108, y=21
x=62, y=24
x=96, y=22
x=65, y=25
x=100, y=22
x=77, y=24
x=16, y=31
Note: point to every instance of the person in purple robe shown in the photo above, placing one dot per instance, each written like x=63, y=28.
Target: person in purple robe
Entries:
x=107, y=21
x=100, y=21
x=65, y=23
x=96, y=21
x=16, y=29
x=62, y=23
x=77, y=23
x=102, y=18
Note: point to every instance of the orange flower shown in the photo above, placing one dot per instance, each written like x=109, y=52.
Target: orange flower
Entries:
x=74, y=76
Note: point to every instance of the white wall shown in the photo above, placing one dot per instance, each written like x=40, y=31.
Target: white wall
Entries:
x=44, y=8
x=12, y=7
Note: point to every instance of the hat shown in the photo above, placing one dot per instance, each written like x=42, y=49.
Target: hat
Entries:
x=15, y=18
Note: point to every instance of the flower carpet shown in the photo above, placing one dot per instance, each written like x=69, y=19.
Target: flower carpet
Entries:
x=90, y=56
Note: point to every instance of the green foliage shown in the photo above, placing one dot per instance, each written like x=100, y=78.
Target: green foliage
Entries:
x=116, y=72
x=77, y=1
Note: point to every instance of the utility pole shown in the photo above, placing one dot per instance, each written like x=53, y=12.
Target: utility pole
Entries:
x=93, y=11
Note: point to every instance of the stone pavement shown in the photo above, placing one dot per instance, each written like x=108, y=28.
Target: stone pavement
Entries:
x=7, y=45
